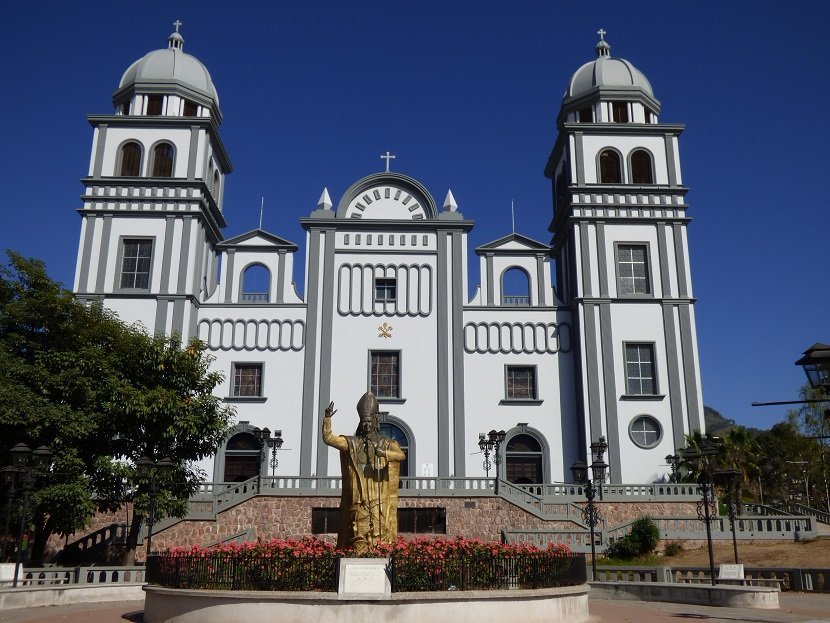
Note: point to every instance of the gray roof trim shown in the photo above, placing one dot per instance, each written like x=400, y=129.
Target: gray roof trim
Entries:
x=604, y=93
x=397, y=179
x=390, y=226
x=495, y=246
x=210, y=124
x=156, y=214
x=168, y=87
x=277, y=243
x=648, y=129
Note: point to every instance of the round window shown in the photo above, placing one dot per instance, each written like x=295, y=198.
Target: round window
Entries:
x=645, y=431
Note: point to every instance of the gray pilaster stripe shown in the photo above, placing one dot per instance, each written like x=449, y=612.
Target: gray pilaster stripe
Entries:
x=184, y=255
x=662, y=251
x=199, y=259
x=491, y=280
x=178, y=317
x=326, y=328
x=99, y=151
x=611, y=422
x=592, y=365
x=673, y=374
x=443, y=372
x=680, y=258
x=161, y=316
x=579, y=156
x=672, y=170
x=307, y=428
x=193, y=323
x=584, y=255
x=86, y=254
x=602, y=265
x=167, y=257
x=103, y=254
x=540, y=280
x=191, y=156
x=689, y=369
x=281, y=277
x=227, y=277
x=459, y=430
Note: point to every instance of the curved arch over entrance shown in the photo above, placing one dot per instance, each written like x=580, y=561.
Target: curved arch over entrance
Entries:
x=526, y=457
x=395, y=429
x=242, y=458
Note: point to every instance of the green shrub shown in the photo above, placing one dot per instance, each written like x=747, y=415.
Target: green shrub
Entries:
x=641, y=541
x=673, y=548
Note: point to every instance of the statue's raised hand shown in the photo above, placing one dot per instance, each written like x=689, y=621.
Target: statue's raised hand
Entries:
x=330, y=410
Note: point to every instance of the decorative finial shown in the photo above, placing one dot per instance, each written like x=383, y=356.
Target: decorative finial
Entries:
x=450, y=204
x=176, y=24
x=324, y=203
x=387, y=156
x=603, y=49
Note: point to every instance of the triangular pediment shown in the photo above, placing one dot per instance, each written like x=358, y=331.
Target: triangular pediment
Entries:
x=258, y=240
x=513, y=244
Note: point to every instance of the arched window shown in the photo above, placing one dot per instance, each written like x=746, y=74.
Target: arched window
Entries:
x=523, y=460
x=130, y=159
x=395, y=432
x=163, y=156
x=256, y=284
x=610, y=169
x=242, y=458
x=641, y=170
x=515, y=287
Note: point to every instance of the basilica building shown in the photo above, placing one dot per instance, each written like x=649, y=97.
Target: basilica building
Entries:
x=587, y=331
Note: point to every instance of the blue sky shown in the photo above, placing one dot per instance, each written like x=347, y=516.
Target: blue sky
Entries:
x=466, y=95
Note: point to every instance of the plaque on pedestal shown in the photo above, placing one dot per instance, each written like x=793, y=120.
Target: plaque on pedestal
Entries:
x=363, y=578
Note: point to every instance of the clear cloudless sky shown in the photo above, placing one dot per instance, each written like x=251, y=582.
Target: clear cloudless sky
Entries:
x=465, y=94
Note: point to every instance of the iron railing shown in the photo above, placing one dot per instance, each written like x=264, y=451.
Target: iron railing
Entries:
x=286, y=572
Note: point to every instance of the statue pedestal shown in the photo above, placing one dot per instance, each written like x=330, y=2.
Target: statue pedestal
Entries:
x=363, y=578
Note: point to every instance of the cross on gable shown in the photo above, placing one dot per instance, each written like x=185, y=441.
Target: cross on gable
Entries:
x=387, y=156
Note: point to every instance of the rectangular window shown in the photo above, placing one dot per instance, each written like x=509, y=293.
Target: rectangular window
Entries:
x=190, y=108
x=154, y=104
x=586, y=115
x=632, y=269
x=247, y=380
x=386, y=290
x=619, y=110
x=324, y=520
x=135, y=264
x=422, y=520
x=384, y=374
x=520, y=383
x=640, y=379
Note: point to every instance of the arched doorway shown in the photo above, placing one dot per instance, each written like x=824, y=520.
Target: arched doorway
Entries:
x=523, y=460
x=393, y=431
x=242, y=458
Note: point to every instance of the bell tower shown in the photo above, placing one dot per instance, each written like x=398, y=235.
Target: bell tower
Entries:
x=620, y=241
x=152, y=204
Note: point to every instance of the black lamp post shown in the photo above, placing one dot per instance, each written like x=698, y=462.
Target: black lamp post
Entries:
x=816, y=364
x=730, y=478
x=155, y=472
x=673, y=461
x=274, y=444
x=491, y=444
x=700, y=461
x=590, y=513
x=27, y=466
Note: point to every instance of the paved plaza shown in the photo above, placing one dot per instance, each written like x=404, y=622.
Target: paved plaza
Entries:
x=795, y=608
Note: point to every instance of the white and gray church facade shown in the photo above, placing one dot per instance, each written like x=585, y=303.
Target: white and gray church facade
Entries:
x=590, y=334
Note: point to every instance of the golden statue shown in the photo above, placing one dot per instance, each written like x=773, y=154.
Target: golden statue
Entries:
x=370, y=465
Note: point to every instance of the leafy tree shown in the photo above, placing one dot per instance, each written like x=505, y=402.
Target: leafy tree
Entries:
x=99, y=394
x=739, y=451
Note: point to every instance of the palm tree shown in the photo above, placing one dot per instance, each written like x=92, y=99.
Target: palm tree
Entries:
x=740, y=451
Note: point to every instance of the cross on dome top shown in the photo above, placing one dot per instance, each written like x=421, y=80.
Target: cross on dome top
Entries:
x=175, y=40
x=603, y=49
